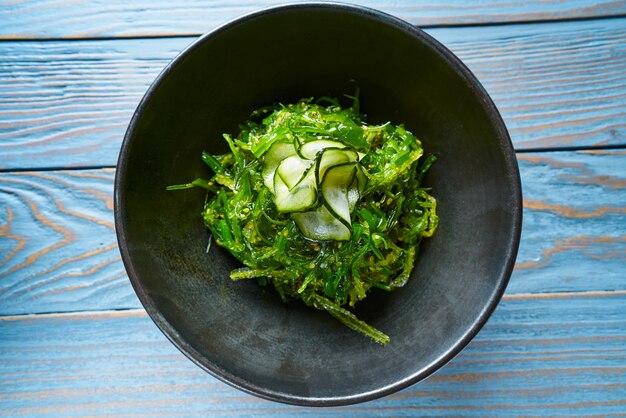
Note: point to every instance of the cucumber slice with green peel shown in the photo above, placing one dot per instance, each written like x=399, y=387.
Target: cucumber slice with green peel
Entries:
x=310, y=149
x=321, y=225
x=292, y=170
x=273, y=157
x=300, y=198
x=330, y=167
x=335, y=186
x=331, y=157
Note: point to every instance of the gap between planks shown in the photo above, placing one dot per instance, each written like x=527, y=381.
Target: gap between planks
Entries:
x=198, y=34
x=118, y=313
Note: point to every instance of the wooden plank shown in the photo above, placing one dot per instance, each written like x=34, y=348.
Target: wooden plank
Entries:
x=557, y=357
x=553, y=83
x=67, y=104
x=573, y=233
x=117, y=18
x=58, y=249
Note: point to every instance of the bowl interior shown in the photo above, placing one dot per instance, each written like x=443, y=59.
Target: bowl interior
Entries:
x=243, y=333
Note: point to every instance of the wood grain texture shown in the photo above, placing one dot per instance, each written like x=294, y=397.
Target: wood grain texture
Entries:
x=58, y=250
x=67, y=104
x=59, y=253
x=573, y=234
x=118, y=18
x=557, y=357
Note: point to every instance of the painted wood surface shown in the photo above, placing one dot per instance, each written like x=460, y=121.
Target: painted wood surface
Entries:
x=556, y=344
x=67, y=103
x=59, y=251
x=557, y=357
x=574, y=227
x=58, y=245
x=117, y=18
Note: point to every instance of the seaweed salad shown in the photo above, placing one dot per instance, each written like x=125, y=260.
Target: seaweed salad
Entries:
x=320, y=205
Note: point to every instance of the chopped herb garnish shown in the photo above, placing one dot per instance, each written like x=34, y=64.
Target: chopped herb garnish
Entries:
x=320, y=204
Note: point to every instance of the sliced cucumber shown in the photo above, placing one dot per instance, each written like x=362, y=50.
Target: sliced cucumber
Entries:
x=273, y=157
x=321, y=225
x=295, y=175
x=309, y=150
x=335, y=186
x=357, y=187
x=353, y=196
x=292, y=170
x=300, y=198
x=331, y=157
x=361, y=178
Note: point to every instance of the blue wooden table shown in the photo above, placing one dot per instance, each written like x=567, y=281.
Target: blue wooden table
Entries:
x=74, y=339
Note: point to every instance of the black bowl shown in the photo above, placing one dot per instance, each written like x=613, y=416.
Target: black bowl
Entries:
x=242, y=333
